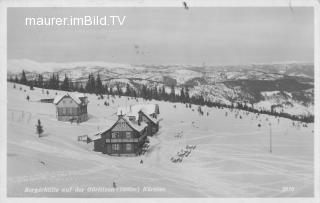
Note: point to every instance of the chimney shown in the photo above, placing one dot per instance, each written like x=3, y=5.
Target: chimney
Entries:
x=120, y=116
x=139, y=117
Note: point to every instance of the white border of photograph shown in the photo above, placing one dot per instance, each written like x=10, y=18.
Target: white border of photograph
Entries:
x=4, y=4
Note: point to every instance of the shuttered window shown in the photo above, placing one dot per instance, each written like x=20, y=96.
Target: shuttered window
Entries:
x=115, y=147
x=128, y=147
x=128, y=135
x=115, y=135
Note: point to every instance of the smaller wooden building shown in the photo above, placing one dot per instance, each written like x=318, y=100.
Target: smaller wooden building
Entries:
x=71, y=107
x=151, y=121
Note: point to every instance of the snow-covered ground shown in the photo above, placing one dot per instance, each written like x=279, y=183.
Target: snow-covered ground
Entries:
x=231, y=158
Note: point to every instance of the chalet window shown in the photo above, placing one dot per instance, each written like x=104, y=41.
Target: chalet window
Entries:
x=70, y=101
x=64, y=102
x=128, y=147
x=64, y=111
x=74, y=111
x=115, y=135
x=123, y=124
x=115, y=147
x=68, y=111
x=128, y=135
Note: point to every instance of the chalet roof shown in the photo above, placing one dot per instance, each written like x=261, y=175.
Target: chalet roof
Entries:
x=134, y=110
x=95, y=136
x=78, y=98
x=133, y=125
x=154, y=120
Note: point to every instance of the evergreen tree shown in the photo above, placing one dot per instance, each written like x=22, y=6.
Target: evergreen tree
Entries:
x=144, y=92
x=172, y=93
x=65, y=84
x=23, y=79
x=90, y=86
x=16, y=80
x=154, y=93
x=164, y=95
x=128, y=90
x=54, y=82
x=81, y=89
x=186, y=94
x=40, y=81
x=119, y=90
x=98, y=85
x=57, y=82
x=182, y=96
x=71, y=86
x=39, y=128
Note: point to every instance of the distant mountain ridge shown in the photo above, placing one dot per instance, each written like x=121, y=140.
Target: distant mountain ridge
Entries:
x=226, y=84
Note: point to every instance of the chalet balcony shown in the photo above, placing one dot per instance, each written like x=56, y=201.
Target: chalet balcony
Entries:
x=125, y=140
x=120, y=140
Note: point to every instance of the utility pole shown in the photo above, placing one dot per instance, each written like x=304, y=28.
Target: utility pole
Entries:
x=270, y=138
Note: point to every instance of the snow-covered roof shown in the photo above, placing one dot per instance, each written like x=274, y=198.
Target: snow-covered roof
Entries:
x=95, y=136
x=75, y=97
x=154, y=120
x=134, y=110
x=134, y=125
x=57, y=99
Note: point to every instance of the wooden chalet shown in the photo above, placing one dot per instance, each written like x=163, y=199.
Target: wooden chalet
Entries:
x=71, y=107
x=125, y=137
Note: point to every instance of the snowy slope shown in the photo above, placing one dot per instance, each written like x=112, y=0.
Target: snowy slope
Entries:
x=231, y=158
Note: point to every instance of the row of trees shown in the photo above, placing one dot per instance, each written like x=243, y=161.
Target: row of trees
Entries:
x=94, y=85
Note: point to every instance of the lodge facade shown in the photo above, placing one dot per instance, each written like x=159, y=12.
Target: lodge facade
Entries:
x=124, y=137
x=71, y=107
x=127, y=135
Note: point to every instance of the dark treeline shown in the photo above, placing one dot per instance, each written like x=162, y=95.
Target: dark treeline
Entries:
x=95, y=86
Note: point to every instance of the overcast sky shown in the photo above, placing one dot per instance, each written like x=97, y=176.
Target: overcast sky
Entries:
x=167, y=36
